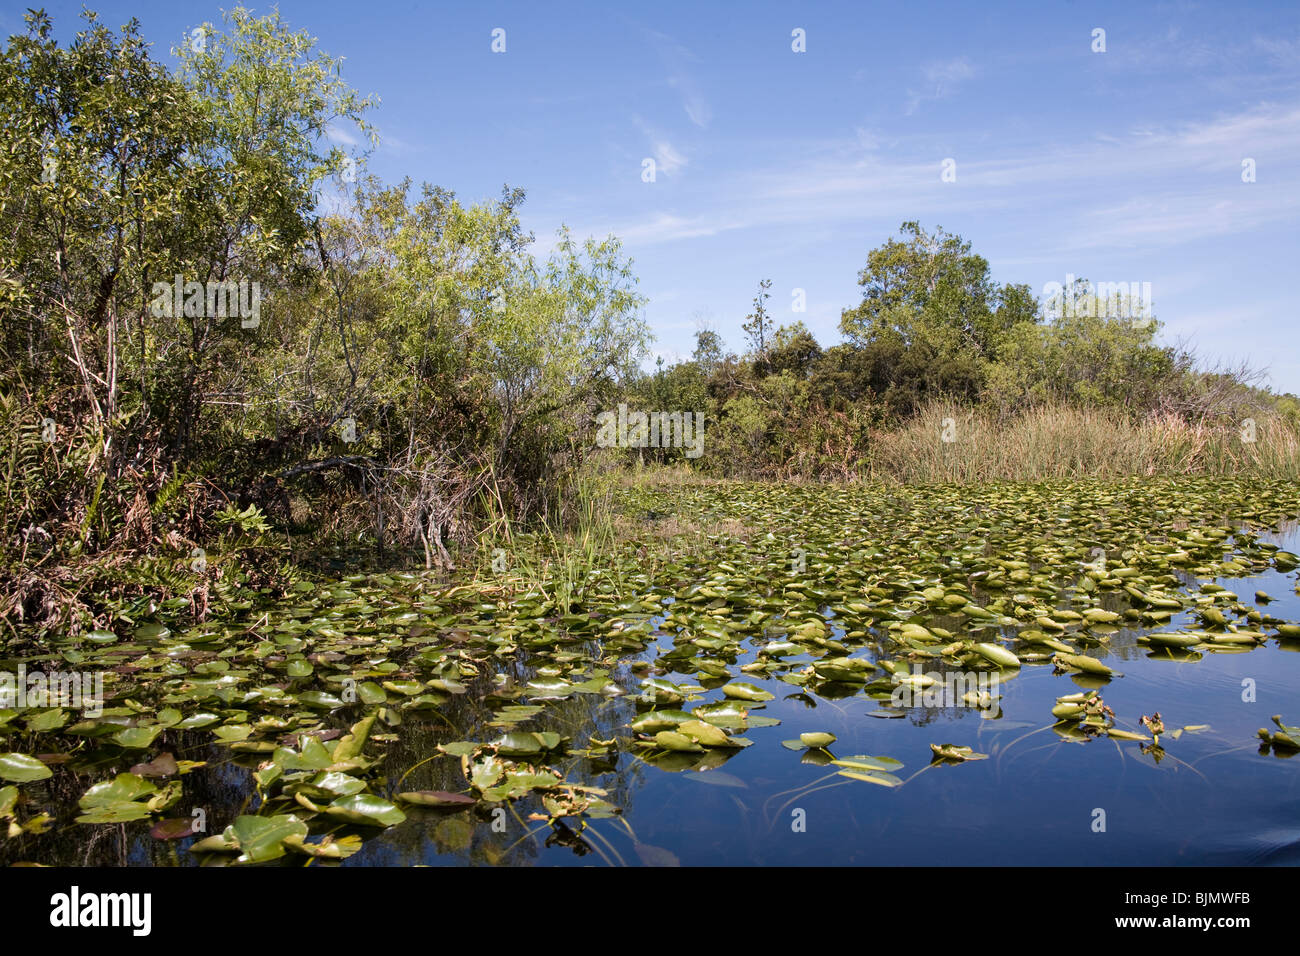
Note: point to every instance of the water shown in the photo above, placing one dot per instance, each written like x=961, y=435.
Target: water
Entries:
x=1212, y=797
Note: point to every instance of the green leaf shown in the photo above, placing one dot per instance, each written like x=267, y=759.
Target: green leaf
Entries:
x=22, y=769
x=136, y=738
x=262, y=838
x=123, y=788
x=366, y=809
x=744, y=691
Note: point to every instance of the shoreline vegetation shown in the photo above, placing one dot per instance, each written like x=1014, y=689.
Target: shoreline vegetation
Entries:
x=419, y=389
x=343, y=519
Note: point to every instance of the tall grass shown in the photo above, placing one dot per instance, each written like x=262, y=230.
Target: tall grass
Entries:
x=564, y=553
x=575, y=550
x=1063, y=442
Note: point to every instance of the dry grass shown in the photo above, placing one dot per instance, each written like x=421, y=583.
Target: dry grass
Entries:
x=661, y=476
x=1064, y=442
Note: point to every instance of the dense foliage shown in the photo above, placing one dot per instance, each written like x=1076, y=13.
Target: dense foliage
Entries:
x=389, y=364
x=217, y=334
x=934, y=332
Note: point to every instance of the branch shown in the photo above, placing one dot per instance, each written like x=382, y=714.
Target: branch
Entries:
x=326, y=464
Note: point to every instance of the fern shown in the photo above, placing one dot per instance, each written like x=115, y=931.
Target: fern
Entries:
x=167, y=492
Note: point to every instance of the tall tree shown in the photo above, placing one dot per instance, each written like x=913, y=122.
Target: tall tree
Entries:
x=708, y=351
x=931, y=317
x=759, y=324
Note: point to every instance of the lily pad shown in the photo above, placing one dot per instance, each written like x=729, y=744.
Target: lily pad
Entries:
x=744, y=691
x=262, y=838
x=367, y=810
x=436, y=798
x=21, y=768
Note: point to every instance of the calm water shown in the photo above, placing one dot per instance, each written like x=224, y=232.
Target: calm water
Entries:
x=1213, y=798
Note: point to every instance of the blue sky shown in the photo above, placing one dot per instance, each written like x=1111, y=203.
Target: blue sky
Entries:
x=1122, y=166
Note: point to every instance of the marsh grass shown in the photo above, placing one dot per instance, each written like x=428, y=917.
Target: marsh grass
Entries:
x=604, y=530
x=564, y=553
x=1065, y=442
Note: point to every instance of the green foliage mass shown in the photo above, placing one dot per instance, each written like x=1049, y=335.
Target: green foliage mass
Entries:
x=404, y=367
x=934, y=329
x=384, y=364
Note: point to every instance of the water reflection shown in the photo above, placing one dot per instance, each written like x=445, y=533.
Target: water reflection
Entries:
x=1209, y=796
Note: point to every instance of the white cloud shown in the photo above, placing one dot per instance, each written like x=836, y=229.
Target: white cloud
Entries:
x=668, y=159
x=676, y=58
x=667, y=227
x=397, y=146
x=340, y=135
x=1142, y=187
x=693, y=102
x=941, y=79
x=867, y=139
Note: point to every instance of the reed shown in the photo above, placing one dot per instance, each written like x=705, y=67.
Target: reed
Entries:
x=1066, y=442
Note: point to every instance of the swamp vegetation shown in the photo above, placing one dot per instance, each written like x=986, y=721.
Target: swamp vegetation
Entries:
x=353, y=583
x=511, y=714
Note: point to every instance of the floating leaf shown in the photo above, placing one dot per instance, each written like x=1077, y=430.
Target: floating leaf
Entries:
x=744, y=691
x=175, y=828
x=262, y=838
x=123, y=788
x=436, y=798
x=366, y=809
x=164, y=765
x=136, y=738
x=22, y=769
x=867, y=776
x=327, y=847
x=952, y=752
x=862, y=762
x=671, y=740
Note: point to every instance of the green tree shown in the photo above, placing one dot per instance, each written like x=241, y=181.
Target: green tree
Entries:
x=931, y=318
x=793, y=349
x=708, y=351
x=758, y=325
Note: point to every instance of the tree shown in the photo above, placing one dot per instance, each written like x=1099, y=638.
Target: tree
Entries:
x=931, y=317
x=759, y=324
x=462, y=360
x=793, y=349
x=95, y=190
x=266, y=100
x=1083, y=360
x=708, y=351
x=913, y=288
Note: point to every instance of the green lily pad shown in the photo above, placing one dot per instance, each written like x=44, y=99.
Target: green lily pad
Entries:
x=863, y=762
x=195, y=721
x=136, y=738
x=46, y=721
x=868, y=776
x=124, y=788
x=436, y=798
x=365, y=809
x=744, y=691
x=262, y=838
x=115, y=813
x=327, y=847
x=952, y=752
x=21, y=768
x=671, y=740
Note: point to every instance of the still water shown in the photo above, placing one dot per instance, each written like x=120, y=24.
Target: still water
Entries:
x=1213, y=798
x=1210, y=796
